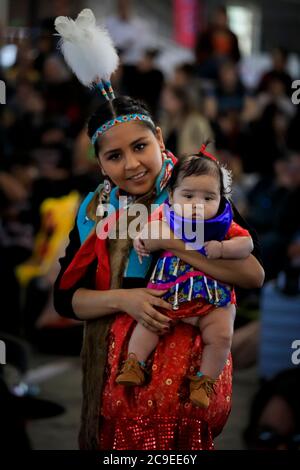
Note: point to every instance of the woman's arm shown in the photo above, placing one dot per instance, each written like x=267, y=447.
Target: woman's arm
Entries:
x=89, y=304
x=138, y=303
x=246, y=273
x=82, y=302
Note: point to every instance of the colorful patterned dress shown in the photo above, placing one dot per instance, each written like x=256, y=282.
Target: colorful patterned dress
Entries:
x=191, y=292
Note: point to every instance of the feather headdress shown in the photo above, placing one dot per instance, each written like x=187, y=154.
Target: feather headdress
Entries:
x=88, y=50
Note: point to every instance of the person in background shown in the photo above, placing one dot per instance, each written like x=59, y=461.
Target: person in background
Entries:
x=216, y=44
x=15, y=413
x=278, y=72
x=145, y=81
x=280, y=304
x=274, y=421
x=184, y=127
x=184, y=76
x=229, y=95
x=130, y=33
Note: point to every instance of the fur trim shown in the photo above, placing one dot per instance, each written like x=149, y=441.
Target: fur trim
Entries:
x=94, y=349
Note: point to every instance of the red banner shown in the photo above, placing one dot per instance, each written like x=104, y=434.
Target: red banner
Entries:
x=186, y=17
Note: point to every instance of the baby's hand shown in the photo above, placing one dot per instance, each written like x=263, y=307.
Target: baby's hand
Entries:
x=140, y=248
x=152, y=238
x=213, y=249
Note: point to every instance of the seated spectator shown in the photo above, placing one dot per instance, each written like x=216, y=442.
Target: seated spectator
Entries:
x=280, y=320
x=184, y=76
x=27, y=116
x=274, y=421
x=273, y=208
x=129, y=32
x=293, y=140
x=275, y=94
x=266, y=196
x=278, y=72
x=184, y=127
x=216, y=44
x=15, y=411
x=64, y=96
x=45, y=43
x=24, y=68
x=229, y=94
x=270, y=131
x=144, y=81
x=239, y=187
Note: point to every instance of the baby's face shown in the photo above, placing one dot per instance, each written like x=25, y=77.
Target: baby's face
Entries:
x=197, y=197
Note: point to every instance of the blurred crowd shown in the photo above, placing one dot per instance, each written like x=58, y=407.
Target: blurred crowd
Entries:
x=46, y=156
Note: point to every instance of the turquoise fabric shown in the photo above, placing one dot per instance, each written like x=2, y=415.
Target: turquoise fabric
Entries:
x=133, y=267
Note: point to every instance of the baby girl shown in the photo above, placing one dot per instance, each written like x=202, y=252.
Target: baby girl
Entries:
x=197, y=195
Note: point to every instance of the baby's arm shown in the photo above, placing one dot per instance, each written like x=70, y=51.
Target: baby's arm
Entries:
x=238, y=244
x=236, y=248
x=149, y=239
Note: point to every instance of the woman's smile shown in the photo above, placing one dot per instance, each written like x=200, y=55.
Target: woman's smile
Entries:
x=138, y=176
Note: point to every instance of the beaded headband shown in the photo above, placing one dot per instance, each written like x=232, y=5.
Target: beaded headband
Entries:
x=119, y=120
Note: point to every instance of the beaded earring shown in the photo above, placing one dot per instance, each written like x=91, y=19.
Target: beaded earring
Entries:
x=104, y=197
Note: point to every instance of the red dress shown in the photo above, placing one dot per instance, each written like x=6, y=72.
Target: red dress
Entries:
x=159, y=415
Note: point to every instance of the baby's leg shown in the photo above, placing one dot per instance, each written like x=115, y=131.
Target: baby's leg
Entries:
x=142, y=342
x=217, y=331
x=191, y=320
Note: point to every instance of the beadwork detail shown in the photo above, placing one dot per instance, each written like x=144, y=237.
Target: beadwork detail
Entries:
x=187, y=284
x=119, y=120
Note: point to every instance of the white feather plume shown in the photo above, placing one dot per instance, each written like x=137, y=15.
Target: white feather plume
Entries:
x=227, y=180
x=87, y=48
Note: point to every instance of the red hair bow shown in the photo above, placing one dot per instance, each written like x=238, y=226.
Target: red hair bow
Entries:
x=206, y=153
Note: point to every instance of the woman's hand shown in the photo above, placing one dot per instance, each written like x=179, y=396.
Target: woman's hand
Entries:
x=140, y=303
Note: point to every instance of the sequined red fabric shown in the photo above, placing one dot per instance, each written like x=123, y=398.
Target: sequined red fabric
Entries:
x=159, y=415
x=194, y=308
x=156, y=433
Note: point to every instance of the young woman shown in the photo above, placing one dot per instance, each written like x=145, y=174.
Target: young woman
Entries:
x=103, y=283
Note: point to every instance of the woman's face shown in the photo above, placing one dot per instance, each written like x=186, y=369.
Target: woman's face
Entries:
x=131, y=156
